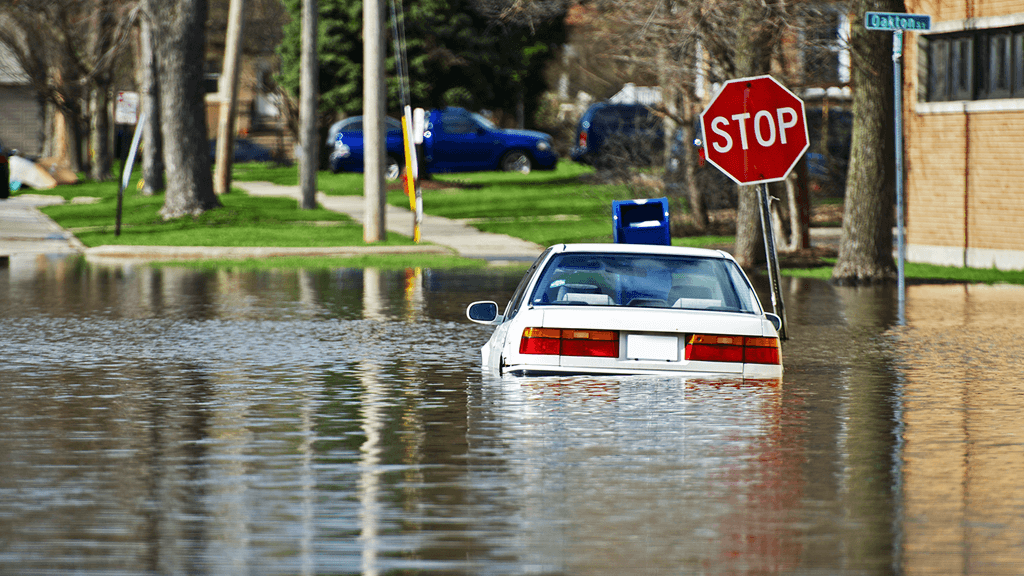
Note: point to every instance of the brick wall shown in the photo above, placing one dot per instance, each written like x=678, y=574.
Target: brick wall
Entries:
x=972, y=162
x=960, y=9
x=965, y=165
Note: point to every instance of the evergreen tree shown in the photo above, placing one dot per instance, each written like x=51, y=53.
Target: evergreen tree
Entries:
x=457, y=56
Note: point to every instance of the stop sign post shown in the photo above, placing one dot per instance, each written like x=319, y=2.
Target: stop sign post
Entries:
x=754, y=130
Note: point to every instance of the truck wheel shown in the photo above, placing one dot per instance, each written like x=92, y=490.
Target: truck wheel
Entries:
x=516, y=161
x=392, y=170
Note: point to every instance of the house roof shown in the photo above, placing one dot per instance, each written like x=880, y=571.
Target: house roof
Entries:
x=11, y=71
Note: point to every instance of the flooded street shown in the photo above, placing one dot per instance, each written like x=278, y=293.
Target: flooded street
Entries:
x=172, y=421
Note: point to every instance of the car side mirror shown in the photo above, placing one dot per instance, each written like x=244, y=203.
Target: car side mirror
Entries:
x=483, y=312
x=775, y=320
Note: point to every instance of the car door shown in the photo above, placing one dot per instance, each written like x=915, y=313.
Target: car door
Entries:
x=462, y=144
x=350, y=139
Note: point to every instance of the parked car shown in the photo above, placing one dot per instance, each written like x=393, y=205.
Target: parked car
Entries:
x=245, y=151
x=345, y=139
x=454, y=140
x=632, y=309
x=5, y=173
x=618, y=134
x=457, y=140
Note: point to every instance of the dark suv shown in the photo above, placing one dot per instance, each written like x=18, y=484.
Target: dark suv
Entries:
x=616, y=134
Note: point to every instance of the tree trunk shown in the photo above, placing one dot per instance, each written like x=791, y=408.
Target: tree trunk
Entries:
x=99, y=135
x=153, y=150
x=180, y=32
x=698, y=210
x=865, y=250
x=754, y=49
x=99, y=96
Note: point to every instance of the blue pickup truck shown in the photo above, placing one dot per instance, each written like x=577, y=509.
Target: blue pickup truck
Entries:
x=454, y=140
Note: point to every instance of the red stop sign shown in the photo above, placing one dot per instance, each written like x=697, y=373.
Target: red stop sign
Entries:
x=754, y=130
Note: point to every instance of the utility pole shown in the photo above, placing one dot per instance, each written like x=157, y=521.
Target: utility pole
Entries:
x=309, y=94
x=374, y=229
x=229, y=98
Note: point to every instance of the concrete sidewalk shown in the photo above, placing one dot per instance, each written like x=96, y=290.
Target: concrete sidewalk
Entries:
x=25, y=231
x=457, y=235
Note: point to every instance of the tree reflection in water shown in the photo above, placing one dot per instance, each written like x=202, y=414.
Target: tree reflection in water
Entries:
x=180, y=421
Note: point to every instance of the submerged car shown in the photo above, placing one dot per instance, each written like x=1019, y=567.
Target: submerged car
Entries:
x=632, y=309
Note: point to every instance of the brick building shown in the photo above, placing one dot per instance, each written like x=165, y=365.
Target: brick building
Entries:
x=964, y=95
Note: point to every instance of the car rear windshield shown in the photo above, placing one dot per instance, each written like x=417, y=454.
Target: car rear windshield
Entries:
x=645, y=280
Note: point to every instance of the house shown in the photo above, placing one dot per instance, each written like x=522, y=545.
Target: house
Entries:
x=964, y=109
x=261, y=111
x=21, y=116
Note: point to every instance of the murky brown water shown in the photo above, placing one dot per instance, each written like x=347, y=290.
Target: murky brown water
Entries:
x=181, y=422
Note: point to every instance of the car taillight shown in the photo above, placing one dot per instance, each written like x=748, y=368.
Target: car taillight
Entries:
x=555, y=341
x=583, y=139
x=746, y=349
x=541, y=341
x=761, y=351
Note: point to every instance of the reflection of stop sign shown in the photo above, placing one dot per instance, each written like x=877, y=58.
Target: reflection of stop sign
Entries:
x=754, y=130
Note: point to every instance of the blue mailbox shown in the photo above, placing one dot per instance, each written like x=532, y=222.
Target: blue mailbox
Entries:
x=641, y=221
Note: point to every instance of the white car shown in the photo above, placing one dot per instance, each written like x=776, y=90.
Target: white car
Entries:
x=632, y=309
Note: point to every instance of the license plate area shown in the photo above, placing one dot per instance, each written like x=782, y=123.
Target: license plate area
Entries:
x=650, y=347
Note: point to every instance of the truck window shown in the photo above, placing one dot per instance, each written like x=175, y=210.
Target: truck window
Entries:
x=457, y=123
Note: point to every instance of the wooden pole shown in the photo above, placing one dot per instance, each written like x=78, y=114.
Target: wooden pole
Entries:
x=374, y=229
x=229, y=99
x=309, y=94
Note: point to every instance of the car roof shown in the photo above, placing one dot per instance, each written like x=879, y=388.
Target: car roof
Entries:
x=618, y=248
x=340, y=124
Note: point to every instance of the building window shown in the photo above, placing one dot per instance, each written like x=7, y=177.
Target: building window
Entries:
x=998, y=70
x=976, y=65
x=826, y=54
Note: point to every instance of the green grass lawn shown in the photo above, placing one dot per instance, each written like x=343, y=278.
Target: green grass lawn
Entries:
x=563, y=205
x=241, y=221
x=917, y=271
x=542, y=207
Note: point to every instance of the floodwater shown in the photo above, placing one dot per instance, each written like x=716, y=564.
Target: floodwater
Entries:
x=169, y=421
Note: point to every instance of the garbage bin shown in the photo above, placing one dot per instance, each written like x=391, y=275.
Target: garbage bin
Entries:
x=641, y=221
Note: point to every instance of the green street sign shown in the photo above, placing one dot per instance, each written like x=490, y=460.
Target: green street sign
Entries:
x=897, y=21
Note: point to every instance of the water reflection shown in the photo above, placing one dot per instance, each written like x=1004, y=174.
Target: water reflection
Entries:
x=637, y=476
x=297, y=422
x=963, y=452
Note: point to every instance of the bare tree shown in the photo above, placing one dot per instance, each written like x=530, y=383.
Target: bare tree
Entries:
x=69, y=50
x=101, y=72
x=149, y=88
x=687, y=45
x=761, y=25
x=179, y=33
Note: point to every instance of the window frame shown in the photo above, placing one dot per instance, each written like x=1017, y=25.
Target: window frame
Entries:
x=974, y=65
